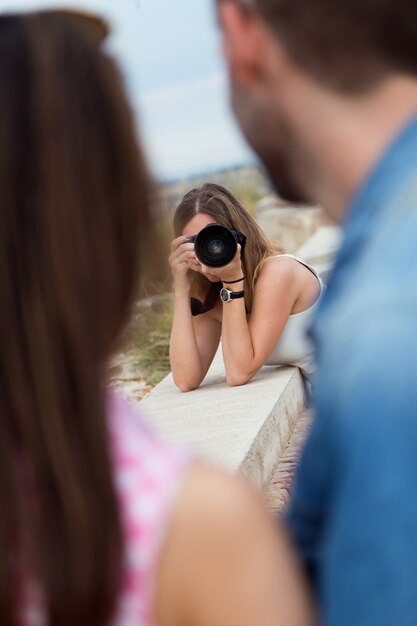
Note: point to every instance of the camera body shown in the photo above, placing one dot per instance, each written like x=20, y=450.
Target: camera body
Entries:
x=215, y=245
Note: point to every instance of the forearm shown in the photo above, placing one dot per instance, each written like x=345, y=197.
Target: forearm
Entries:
x=186, y=365
x=237, y=345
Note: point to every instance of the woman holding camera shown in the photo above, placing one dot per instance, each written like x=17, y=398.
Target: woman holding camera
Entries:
x=259, y=303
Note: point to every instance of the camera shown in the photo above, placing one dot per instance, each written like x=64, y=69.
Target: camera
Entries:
x=215, y=245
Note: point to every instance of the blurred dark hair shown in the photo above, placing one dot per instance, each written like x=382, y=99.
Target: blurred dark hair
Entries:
x=347, y=44
x=74, y=201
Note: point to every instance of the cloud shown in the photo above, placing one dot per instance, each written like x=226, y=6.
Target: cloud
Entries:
x=183, y=93
x=188, y=127
x=175, y=78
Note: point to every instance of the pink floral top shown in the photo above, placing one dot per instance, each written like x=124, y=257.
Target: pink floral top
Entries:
x=148, y=474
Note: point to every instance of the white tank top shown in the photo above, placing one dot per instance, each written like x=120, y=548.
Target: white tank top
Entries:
x=294, y=346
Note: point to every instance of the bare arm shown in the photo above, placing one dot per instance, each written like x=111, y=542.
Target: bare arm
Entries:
x=193, y=340
x=248, y=343
x=226, y=563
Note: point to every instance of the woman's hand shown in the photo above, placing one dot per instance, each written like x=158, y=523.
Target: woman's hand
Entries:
x=181, y=260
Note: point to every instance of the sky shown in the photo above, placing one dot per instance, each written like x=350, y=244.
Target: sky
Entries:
x=169, y=51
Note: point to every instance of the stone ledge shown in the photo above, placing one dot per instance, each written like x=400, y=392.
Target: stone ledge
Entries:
x=239, y=428
x=279, y=490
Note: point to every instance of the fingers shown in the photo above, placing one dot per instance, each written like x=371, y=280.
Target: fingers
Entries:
x=179, y=256
x=180, y=241
x=195, y=265
x=179, y=245
x=182, y=261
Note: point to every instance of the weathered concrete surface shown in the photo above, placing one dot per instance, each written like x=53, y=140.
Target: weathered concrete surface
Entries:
x=279, y=489
x=239, y=428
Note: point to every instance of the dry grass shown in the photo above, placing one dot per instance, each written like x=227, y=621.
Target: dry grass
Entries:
x=147, y=337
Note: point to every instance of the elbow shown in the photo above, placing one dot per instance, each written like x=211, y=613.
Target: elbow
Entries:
x=185, y=381
x=237, y=379
x=185, y=388
x=185, y=385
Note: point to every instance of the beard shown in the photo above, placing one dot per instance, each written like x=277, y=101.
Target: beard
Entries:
x=272, y=140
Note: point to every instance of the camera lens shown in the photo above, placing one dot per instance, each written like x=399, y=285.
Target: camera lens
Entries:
x=215, y=245
x=216, y=248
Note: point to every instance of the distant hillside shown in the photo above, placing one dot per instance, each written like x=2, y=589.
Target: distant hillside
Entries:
x=247, y=182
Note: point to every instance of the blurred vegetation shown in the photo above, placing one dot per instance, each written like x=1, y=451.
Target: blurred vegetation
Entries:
x=155, y=273
x=247, y=193
x=147, y=337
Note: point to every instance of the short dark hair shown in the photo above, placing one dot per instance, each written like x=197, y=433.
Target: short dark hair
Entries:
x=347, y=44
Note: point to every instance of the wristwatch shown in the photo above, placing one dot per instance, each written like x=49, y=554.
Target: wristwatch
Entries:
x=227, y=296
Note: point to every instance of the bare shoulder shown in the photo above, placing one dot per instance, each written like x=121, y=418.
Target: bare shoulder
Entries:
x=211, y=501
x=288, y=273
x=222, y=547
x=279, y=267
x=280, y=276
x=205, y=519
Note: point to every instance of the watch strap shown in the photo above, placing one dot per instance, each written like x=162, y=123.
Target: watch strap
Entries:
x=231, y=295
x=236, y=294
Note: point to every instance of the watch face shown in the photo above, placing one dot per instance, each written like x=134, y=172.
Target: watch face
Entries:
x=225, y=295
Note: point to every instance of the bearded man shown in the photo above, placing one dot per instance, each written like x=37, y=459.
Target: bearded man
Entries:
x=325, y=92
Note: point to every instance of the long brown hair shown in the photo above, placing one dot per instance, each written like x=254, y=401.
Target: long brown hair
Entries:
x=225, y=209
x=74, y=198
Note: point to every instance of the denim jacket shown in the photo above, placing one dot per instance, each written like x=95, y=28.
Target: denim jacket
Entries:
x=354, y=510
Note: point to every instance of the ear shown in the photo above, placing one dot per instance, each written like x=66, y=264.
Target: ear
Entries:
x=243, y=40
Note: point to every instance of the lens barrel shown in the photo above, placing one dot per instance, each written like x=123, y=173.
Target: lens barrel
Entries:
x=216, y=245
